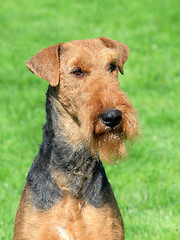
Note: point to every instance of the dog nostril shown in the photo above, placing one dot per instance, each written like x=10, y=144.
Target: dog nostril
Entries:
x=111, y=118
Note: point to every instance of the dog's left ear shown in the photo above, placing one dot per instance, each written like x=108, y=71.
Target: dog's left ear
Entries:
x=122, y=48
x=46, y=64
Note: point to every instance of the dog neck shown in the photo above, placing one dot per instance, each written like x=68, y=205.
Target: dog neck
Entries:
x=72, y=170
x=65, y=124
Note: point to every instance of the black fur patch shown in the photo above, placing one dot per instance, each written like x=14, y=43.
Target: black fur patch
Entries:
x=45, y=193
x=86, y=176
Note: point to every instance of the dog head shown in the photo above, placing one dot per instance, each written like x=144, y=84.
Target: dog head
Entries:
x=85, y=76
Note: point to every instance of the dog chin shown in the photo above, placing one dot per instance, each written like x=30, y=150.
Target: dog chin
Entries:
x=111, y=145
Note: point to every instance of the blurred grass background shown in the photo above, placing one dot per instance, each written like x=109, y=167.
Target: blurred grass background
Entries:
x=147, y=185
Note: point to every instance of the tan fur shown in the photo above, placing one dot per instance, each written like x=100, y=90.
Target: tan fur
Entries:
x=85, y=98
x=79, y=221
x=79, y=102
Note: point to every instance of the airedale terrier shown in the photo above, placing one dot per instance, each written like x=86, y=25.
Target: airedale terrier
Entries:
x=67, y=195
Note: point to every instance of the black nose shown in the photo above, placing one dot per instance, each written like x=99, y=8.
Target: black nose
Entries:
x=111, y=118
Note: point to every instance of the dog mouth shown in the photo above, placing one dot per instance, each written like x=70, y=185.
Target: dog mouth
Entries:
x=110, y=130
x=101, y=129
x=109, y=142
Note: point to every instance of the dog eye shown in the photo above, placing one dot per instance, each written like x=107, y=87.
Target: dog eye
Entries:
x=78, y=72
x=112, y=67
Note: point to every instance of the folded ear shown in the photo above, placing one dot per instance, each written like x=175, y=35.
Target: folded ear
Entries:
x=123, y=51
x=46, y=64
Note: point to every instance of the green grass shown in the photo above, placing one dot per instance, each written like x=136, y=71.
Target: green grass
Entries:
x=147, y=185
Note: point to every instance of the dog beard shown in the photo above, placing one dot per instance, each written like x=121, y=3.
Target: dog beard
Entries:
x=111, y=143
x=111, y=146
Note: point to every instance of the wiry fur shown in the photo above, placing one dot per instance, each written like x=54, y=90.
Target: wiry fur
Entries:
x=56, y=156
x=67, y=194
x=98, y=92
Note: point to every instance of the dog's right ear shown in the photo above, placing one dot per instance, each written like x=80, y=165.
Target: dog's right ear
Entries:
x=46, y=64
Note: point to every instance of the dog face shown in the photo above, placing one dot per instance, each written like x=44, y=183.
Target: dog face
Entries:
x=85, y=74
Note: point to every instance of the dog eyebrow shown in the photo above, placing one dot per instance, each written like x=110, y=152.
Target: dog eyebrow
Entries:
x=81, y=63
x=113, y=60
